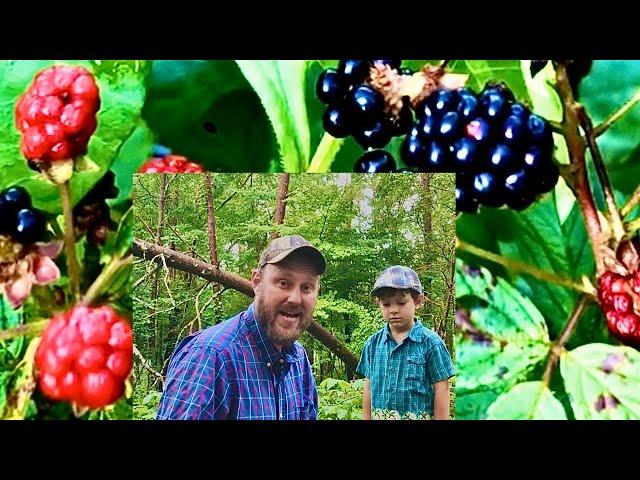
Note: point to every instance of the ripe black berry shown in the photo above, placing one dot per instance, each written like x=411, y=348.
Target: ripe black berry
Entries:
x=331, y=87
x=30, y=226
x=375, y=137
x=335, y=121
x=354, y=71
x=18, y=219
x=375, y=161
x=365, y=106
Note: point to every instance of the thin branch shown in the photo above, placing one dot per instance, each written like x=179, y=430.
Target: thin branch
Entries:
x=31, y=329
x=515, y=266
x=633, y=201
x=146, y=364
x=577, y=148
x=614, y=214
x=234, y=193
x=106, y=276
x=604, y=126
x=557, y=348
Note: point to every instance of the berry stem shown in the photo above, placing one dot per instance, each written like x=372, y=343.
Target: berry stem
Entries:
x=558, y=347
x=577, y=148
x=617, y=115
x=515, y=266
x=614, y=213
x=633, y=201
x=31, y=329
x=105, y=277
x=325, y=153
x=69, y=239
x=633, y=227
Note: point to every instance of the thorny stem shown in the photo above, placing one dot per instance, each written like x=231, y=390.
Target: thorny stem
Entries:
x=557, y=348
x=631, y=203
x=515, y=266
x=604, y=126
x=577, y=148
x=614, y=214
x=69, y=240
x=31, y=329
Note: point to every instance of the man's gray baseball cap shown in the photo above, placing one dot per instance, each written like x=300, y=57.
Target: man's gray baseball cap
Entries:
x=281, y=247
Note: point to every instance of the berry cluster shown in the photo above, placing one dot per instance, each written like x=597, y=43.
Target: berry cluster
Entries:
x=57, y=114
x=619, y=297
x=18, y=219
x=355, y=108
x=171, y=164
x=91, y=215
x=502, y=153
x=85, y=356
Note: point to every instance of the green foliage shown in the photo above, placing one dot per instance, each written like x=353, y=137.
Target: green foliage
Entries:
x=340, y=400
x=549, y=236
x=362, y=224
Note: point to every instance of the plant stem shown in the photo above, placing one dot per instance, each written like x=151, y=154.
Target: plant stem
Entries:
x=325, y=153
x=604, y=126
x=633, y=227
x=95, y=290
x=557, y=348
x=577, y=148
x=631, y=203
x=30, y=329
x=69, y=239
x=515, y=266
x=614, y=214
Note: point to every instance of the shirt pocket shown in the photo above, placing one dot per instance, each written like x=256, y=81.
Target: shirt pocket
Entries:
x=415, y=374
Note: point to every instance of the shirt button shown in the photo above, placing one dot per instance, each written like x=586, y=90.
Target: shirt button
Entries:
x=268, y=364
x=282, y=360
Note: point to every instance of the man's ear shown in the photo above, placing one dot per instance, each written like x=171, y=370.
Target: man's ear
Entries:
x=256, y=280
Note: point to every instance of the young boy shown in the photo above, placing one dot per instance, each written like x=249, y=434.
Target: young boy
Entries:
x=406, y=365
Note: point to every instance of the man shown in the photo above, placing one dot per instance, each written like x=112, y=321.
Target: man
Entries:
x=251, y=366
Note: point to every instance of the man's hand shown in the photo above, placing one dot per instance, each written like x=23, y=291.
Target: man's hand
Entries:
x=441, y=400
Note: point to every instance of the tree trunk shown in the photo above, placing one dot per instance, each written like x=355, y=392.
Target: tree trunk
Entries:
x=154, y=287
x=180, y=261
x=281, y=203
x=213, y=249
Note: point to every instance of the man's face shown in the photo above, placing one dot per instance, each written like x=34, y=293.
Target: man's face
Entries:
x=398, y=308
x=286, y=295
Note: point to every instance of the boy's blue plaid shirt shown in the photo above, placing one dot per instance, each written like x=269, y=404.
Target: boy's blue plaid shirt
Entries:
x=402, y=376
x=227, y=372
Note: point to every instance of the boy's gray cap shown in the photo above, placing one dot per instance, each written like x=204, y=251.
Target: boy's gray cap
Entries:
x=281, y=247
x=398, y=277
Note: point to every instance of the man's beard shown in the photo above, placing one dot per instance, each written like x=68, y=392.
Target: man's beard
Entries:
x=275, y=333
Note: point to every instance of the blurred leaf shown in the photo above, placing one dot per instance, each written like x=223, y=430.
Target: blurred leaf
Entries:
x=482, y=71
x=501, y=339
x=207, y=111
x=602, y=381
x=280, y=84
x=527, y=401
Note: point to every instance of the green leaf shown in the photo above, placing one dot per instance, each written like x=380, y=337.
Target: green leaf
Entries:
x=602, y=381
x=603, y=91
x=536, y=238
x=124, y=237
x=184, y=95
x=527, y=401
x=502, y=338
x=5, y=377
x=280, y=84
x=134, y=153
x=121, y=99
x=473, y=405
x=482, y=71
x=9, y=317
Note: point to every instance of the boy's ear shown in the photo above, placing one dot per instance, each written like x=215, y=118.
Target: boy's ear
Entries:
x=377, y=301
x=420, y=300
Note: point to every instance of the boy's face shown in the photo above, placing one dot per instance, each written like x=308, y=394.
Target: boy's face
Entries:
x=398, y=308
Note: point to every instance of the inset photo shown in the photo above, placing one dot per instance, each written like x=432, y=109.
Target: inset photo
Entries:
x=294, y=297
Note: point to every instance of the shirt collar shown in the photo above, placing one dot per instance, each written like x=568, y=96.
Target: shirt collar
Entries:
x=269, y=352
x=414, y=334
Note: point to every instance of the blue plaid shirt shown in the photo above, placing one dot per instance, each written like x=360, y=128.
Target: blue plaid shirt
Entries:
x=402, y=375
x=233, y=371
